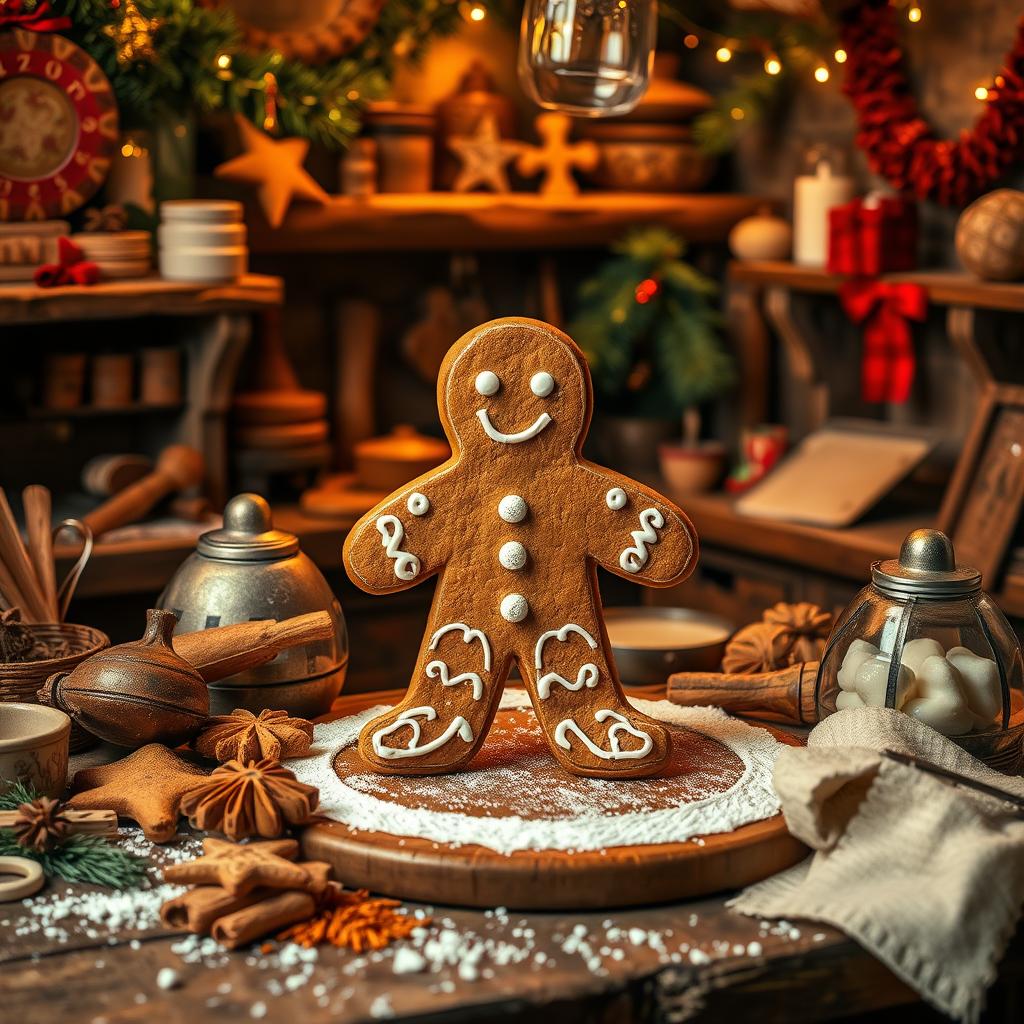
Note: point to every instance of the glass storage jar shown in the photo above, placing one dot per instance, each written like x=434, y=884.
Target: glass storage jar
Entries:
x=924, y=637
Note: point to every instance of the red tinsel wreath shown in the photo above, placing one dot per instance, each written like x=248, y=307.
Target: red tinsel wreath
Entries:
x=900, y=144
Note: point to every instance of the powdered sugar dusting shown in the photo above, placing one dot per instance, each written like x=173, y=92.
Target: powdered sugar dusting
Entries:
x=511, y=811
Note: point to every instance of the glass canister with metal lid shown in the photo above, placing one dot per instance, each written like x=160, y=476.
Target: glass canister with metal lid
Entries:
x=924, y=637
x=248, y=570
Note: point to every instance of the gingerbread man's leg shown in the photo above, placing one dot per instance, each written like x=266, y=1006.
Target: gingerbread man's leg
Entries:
x=587, y=721
x=451, y=701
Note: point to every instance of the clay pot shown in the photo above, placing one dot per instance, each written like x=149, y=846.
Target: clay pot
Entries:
x=134, y=693
x=762, y=236
x=692, y=468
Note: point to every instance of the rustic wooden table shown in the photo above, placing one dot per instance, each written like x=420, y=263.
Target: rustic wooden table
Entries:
x=59, y=962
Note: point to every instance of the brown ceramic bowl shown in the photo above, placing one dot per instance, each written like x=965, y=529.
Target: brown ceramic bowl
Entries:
x=34, y=747
x=648, y=158
x=692, y=468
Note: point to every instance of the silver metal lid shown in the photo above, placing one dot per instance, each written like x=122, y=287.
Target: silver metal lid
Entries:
x=248, y=534
x=926, y=569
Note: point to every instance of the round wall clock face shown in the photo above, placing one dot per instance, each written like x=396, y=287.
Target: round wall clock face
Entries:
x=58, y=126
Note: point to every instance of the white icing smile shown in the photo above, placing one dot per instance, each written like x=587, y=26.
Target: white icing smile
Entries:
x=523, y=435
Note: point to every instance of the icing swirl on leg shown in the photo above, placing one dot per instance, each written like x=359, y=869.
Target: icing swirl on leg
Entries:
x=588, y=674
x=458, y=726
x=468, y=636
x=392, y=533
x=635, y=558
x=615, y=753
x=439, y=669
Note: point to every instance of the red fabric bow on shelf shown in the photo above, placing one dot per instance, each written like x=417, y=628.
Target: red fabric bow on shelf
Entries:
x=70, y=268
x=885, y=308
x=37, y=17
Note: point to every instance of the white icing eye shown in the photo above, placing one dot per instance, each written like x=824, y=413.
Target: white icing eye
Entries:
x=616, y=498
x=514, y=608
x=542, y=384
x=487, y=383
x=418, y=504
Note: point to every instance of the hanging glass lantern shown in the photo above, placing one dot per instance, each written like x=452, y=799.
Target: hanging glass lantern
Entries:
x=589, y=58
x=924, y=637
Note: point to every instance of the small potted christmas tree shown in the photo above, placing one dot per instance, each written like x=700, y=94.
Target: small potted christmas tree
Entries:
x=649, y=325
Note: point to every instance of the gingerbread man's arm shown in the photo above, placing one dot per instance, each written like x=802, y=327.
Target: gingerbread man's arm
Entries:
x=398, y=543
x=631, y=530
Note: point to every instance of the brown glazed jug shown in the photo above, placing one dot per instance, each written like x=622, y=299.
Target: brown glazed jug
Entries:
x=135, y=693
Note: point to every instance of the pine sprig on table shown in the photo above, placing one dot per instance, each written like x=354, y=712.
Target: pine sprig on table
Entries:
x=20, y=792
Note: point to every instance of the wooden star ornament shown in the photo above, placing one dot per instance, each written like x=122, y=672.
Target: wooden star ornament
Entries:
x=274, y=168
x=484, y=156
x=146, y=786
x=242, y=868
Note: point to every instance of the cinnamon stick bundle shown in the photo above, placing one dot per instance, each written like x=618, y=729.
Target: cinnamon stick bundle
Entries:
x=249, y=923
x=198, y=909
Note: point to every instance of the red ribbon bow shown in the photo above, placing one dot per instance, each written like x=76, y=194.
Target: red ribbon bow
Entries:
x=887, y=365
x=70, y=268
x=38, y=18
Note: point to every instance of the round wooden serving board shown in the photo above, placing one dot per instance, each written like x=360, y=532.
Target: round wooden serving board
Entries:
x=420, y=869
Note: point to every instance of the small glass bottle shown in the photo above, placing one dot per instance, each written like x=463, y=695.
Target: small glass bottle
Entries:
x=589, y=58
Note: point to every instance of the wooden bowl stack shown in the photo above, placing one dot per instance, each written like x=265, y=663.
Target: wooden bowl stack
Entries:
x=118, y=254
x=202, y=241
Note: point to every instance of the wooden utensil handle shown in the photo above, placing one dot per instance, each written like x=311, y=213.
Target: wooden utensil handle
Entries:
x=38, y=513
x=130, y=505
x=785, y=695
x=225, y=650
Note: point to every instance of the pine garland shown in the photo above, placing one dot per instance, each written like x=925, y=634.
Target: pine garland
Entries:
x=648, y=325
x=80, y=858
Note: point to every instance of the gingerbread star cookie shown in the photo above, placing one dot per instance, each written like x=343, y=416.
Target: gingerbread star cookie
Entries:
x=241, y=868
x=146, y=786
x=513, y=526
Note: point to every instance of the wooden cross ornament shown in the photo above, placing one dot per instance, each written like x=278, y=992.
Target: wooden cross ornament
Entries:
x=557, y=156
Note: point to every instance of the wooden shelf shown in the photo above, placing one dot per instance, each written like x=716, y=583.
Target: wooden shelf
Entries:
x=92, y=412
x=846, y=553
x=944, y=287
x=447, y=220
x=145, y=565
x=149, y=296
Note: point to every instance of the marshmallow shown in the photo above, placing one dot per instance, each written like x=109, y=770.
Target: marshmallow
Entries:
x=941, y=702
x=848, y=700
x=872, y=681
x=915, y=651
x=980, y=680
x=856, y=654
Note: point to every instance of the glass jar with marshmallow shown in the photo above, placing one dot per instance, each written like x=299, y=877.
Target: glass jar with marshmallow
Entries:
x=924, y=637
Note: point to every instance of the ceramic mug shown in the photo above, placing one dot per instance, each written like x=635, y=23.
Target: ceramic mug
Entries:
x=34, y=747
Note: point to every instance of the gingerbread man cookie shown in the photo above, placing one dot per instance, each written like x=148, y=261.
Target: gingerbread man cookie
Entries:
x=513, y=525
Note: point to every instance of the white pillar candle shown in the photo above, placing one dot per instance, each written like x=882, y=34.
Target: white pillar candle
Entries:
x=813, y=196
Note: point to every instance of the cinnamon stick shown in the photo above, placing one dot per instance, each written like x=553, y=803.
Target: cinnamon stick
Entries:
x=18, y=566
x=241, y=927
x=38, y=514
x=197, y=909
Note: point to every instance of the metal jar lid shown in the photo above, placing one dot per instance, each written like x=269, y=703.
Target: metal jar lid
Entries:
x=248, y=534
x=926, y=569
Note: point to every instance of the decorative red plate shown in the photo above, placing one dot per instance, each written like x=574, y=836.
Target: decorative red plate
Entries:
x=58, y=126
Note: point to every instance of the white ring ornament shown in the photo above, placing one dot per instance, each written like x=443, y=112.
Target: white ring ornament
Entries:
x=418, y=504
x=616, y=499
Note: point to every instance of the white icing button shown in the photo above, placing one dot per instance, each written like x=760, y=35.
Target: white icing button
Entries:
x=418, y=504
x=542, y=384
x=512, y=508
x=512, y=555
x=487, y=383
x=514, y=608
x=616, y=498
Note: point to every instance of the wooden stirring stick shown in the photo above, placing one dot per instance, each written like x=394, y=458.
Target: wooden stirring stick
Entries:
x=18, y=565
x=38, y=512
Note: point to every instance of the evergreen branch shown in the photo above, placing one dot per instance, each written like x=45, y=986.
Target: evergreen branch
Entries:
x=81, y=858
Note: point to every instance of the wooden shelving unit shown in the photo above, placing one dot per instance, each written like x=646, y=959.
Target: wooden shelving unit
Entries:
x=447, y=220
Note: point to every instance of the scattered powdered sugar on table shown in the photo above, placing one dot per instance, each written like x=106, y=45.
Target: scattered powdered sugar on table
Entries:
x=594, y=815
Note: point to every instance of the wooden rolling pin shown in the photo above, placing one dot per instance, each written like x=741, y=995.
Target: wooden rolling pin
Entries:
x=178, y=468
x=784, y=695
x=224, y=650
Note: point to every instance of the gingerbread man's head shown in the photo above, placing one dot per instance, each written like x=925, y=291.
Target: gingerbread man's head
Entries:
x=515, y=387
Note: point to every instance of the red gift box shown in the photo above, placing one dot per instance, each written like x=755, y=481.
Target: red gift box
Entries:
x=871, y=237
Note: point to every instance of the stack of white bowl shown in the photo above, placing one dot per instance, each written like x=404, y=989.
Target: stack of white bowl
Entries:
x=202, y=240
x=118, y=254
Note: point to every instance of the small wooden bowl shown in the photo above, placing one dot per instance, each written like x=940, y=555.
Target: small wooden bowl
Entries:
x=21, y=680
x=34, y=747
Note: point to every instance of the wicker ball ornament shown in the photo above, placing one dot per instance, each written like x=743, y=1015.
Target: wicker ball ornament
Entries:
x=990, y=236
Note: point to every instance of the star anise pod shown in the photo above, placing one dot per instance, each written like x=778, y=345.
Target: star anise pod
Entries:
x=41, y=825
x=243, y=736
x=261, y=798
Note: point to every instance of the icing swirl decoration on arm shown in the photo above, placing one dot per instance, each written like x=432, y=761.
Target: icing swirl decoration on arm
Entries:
x=458, y=726
x=621, y=724
x=633, y=559
x=392, y=533
x=588, y=673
